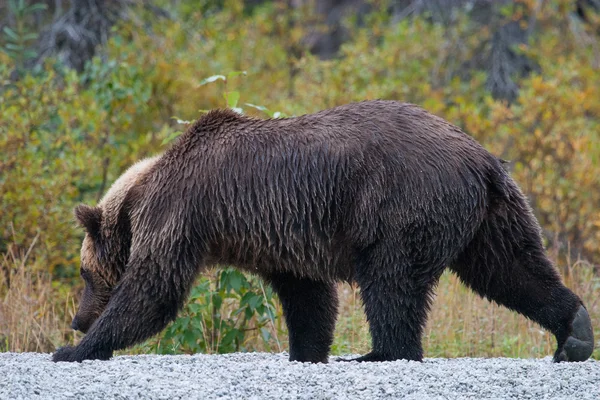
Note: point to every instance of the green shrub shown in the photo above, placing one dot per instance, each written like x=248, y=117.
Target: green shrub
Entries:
x=221, y=315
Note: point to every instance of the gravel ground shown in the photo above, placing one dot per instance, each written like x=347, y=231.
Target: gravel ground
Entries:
x=271, y=376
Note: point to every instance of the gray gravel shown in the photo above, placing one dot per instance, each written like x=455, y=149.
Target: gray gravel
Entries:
x=271, y=376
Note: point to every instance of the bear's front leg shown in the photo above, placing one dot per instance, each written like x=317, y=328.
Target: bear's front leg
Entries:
x=96, y=345
x=143, y=303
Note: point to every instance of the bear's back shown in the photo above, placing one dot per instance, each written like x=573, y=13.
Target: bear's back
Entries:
x=307, y=179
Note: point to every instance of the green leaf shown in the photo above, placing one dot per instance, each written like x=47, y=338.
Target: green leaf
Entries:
x=235, y=73
x=35, y=7
x=266, y=335
x=190, y=338
x=29, y=36
x=212, y=79
x=12, y=5
x=185, y=321
x=29, y=54
x=238, y=311
x=246, y=299
x=235, y=281
x=10, y=33
x=260, y=108
x=12, y=46
x=170, y=138
x=251, y=300
x=228, y=339
x=217, y=300
x=270, y=313
x=10, y=53
x=196, y=323
x=255, y=301
x=232, y=99
x=197, y=292
x=169, y=333
x=195, y=308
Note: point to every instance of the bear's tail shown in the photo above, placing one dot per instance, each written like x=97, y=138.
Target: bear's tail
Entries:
x=506, y=263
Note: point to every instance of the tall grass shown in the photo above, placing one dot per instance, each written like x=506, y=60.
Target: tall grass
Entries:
x=33, y=316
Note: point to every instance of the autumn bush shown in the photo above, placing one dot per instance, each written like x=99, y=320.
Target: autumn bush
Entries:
x=64, y=137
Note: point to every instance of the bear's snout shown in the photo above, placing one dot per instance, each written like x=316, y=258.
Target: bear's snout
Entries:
x=77, y=326
x=74, y=324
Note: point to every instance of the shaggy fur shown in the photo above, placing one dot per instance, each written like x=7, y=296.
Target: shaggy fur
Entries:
x=379, y=193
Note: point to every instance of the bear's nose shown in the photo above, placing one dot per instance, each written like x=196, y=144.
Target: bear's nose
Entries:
x=74, y=324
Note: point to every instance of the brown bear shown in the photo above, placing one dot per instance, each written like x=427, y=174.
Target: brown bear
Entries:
x=378, y=193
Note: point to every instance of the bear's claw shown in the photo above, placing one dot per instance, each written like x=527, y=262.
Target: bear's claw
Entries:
x=66, y=353
x=580, y=344
x=76, y=354
x=370, y=357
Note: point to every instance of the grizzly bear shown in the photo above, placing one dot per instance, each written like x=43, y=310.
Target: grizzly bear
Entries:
x=379, y=193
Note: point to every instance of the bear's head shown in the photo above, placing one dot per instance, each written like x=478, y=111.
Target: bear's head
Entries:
x=106, y=245
x=94, y=269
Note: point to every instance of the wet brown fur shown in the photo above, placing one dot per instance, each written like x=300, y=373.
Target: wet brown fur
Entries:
x=379, y=193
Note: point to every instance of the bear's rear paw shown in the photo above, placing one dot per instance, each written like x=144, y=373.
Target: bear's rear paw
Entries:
x=73, y=354
x=315, y=359
x=580, y=345
x=378, y=357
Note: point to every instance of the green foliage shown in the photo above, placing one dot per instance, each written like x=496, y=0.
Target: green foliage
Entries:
x=232, y=97
x=219, y=316
x=63, y=142
x=231, y=101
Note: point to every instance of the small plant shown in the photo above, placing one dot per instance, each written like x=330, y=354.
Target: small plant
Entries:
x=220, y=314
x=18, y=39
x=232, y=99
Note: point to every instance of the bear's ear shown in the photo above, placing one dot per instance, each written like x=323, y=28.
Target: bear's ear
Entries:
x=90, y=218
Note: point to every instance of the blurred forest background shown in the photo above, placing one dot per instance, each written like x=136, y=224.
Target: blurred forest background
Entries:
x=88, y=87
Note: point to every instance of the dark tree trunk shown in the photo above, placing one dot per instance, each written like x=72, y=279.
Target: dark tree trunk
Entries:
x=74, y=36
x=497, y=56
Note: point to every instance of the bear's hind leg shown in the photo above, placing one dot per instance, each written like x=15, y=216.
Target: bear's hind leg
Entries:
x=507, y=264
x=310, y=311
